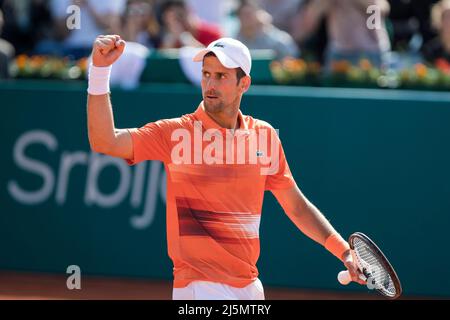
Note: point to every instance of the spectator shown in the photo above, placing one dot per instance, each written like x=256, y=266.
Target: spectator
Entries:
x=141, y=30
x=6, y=52
x=349, y=37
x=258, y=32
x=312, y=44
x=141, y=25
x=283, y=12
x=26, y=23
x=183, y=28
x=438, y=50
x=97, y=17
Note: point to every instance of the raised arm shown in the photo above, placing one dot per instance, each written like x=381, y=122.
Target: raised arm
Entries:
x=314, y=224
x=103, y=136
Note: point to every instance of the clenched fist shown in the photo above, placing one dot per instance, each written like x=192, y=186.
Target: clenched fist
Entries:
x=107, y=49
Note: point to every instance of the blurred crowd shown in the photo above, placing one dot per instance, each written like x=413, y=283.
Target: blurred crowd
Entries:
x=387, y=33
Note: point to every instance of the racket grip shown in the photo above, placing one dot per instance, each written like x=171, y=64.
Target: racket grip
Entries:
x=344, y=277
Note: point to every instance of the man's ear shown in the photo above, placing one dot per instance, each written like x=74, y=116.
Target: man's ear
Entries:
x=245, y=83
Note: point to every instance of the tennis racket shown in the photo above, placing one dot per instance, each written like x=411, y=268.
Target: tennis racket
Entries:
x=379, y=273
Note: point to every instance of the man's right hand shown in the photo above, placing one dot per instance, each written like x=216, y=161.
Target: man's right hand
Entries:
x=107, y=50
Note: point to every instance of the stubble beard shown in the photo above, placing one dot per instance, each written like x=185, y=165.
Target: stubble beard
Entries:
x=217, y=107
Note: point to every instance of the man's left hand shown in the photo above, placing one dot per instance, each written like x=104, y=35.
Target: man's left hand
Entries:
x=350, y=264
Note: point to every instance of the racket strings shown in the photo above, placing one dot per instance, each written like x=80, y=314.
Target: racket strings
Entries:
x=373, y=268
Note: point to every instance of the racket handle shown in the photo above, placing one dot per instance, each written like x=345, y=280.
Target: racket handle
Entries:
x=344, y=277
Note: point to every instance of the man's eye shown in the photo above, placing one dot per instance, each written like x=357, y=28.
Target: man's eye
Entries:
x=206, y=74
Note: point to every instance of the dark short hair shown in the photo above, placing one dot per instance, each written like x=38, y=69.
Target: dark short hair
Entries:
x=239, y=72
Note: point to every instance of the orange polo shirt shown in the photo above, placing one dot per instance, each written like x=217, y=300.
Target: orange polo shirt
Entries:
x=215, y=191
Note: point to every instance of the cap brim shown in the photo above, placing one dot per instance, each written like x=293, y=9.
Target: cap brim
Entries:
x=223, y=58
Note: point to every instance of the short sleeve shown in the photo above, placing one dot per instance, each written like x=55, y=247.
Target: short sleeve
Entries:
x=282, y=177
x=150, y=142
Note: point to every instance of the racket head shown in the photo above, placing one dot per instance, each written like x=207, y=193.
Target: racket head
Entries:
x=370, y=258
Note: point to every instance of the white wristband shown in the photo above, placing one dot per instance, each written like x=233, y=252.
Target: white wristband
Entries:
x=99, y=80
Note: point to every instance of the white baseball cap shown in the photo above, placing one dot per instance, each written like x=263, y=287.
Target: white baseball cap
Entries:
x=230, y=52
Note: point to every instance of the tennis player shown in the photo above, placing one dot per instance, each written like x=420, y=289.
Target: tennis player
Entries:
x=215, y=187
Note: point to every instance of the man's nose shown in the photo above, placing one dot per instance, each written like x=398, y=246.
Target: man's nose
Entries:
x=211, y=84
